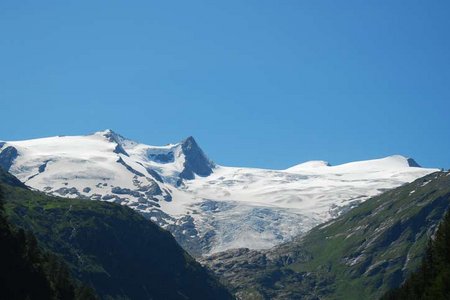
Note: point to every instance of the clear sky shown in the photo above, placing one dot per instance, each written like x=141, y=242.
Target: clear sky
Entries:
x=257, y=83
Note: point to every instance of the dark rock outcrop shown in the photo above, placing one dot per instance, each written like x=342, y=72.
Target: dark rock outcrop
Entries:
x=196, y=161
x=7, y=157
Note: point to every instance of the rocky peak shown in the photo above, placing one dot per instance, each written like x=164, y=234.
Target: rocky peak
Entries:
x=196, y=161
x=116, y=138
x=413, y=163
x=7, y=157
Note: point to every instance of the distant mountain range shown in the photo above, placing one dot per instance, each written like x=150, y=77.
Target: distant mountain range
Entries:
x=208, y=208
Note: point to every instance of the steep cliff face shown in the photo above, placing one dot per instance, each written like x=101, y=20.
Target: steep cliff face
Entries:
x=7, y=157
x=196, y=162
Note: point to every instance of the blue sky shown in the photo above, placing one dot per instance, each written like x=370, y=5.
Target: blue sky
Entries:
x=257, y=83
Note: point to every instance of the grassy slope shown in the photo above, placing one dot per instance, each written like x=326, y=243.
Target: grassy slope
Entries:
x=111, y=247
x=373, y=247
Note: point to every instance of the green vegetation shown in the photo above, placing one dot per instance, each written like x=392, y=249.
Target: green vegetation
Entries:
x=360, y=255
x=432, y=280
x=28, y=272
x=375, y=246
x=110, y=247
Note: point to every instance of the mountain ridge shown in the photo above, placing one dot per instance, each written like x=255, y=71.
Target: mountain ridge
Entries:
x=207, y=207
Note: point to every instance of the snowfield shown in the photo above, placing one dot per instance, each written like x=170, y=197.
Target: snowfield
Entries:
x=208, y=208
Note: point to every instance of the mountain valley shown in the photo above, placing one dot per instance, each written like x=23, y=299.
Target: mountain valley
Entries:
x=360, y=255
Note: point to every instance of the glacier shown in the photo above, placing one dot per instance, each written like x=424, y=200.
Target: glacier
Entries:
x=206, y=206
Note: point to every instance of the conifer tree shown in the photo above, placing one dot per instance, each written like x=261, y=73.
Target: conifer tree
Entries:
x=432, y=279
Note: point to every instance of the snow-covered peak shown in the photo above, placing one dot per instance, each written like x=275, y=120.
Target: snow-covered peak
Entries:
x=105, y=132
x=113, y=136
x=312, y=164
x=174, y=162
x=387, y=163
x=205, y=206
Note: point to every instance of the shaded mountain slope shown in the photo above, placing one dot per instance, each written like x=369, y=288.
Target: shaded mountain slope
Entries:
x=112, y=248
x=360, y=255
x=28, y=272
x=432, y=280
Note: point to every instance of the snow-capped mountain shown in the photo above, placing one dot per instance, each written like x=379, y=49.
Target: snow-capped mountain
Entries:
x=208, y=208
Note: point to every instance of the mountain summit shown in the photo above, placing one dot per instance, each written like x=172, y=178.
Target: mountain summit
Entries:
x=196, y=161
x=207, y=207
x=390, y=162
